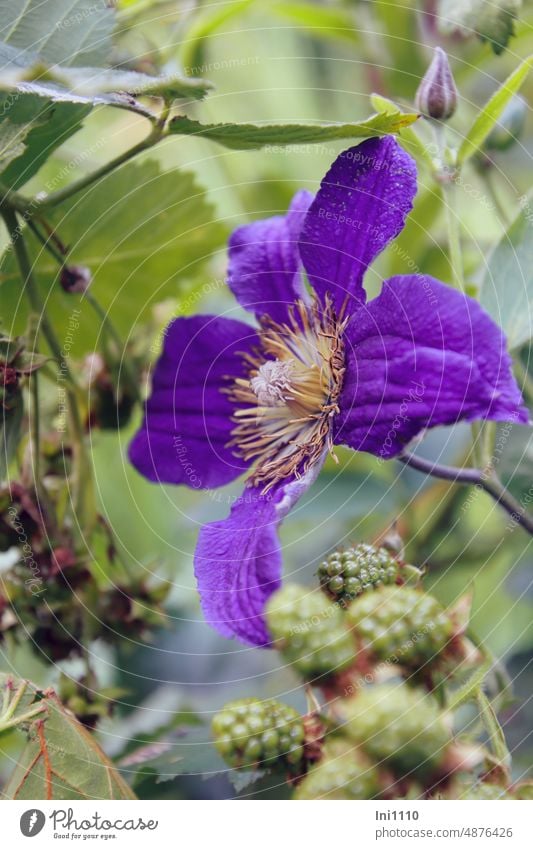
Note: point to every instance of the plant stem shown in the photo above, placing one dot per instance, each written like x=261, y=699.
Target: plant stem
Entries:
x=81, y=465
x=32, y=206
x=485, y=480
x=132, y=383
x=16, y=201
x=469, y=690
x=449, y=197
x=35, y=431
x=157, y=134
x=47, y=243
x=494, y=730
x=449, y=194
x=30, y=286
x=9, y=724
x=107, y=324
x=495, y=196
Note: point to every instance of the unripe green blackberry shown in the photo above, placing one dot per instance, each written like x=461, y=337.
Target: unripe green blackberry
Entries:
x=348, y=574
x=399, y=725
x=342, y=773
x=309, y=631
x=403, y=624
x=250, y=732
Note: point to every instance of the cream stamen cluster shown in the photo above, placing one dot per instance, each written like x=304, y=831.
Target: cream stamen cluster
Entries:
x=286, y=405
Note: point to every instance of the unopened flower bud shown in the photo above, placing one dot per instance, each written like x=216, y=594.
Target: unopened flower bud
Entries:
x=437, y=94
x=75, y=278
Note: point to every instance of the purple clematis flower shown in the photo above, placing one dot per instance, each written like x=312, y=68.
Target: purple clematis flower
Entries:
x=321, y=367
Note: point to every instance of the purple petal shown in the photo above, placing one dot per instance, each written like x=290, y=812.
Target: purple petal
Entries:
x=419, y=355
x=238, y=560
x=187, y=419
x=361, y=206
x=264, y=263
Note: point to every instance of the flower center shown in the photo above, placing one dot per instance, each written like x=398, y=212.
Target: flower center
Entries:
x=286, y=404
x=272, y=383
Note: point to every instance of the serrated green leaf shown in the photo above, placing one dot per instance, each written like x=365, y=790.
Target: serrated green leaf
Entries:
x=507, y=288
x=492, y=111
x=61, y=32
x=322, y=21
x=23, y=73
x=144, y=234
x=93, y=84
x=253, y=136
x=410, y=138
x=42, y=127
x=61, y=760
x=34, y=127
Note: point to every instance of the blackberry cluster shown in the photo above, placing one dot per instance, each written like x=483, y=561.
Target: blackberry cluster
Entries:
x=381, y=733
x=350, y=573
x=401, y=623
x=342, y=773
x=399, y=725
x=250, y=732
x=309, y=631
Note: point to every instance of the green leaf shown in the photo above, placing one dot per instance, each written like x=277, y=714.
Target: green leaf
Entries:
x=42, y=127
x=19, y=703
x=23, y=73
x=11, y=144
x=61, y=760
x=323, y=22
x=61, y=32
x=507, y=288
x=411, y=140
x=492, y=22
x=144, y=234
x=493, y=728
x=253, y=136
x=492, y=110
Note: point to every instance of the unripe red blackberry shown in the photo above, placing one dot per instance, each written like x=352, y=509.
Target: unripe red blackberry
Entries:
x=250, y=732
x=398, y=725
x=342, y=773
x=309, y=631
x=402, y=624
x=344, y=575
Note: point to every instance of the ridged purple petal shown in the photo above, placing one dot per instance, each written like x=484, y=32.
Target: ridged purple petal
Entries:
x=238, y=560
x=187, y=419
x=264, y=262
x=420, y=355
x=361, y=206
